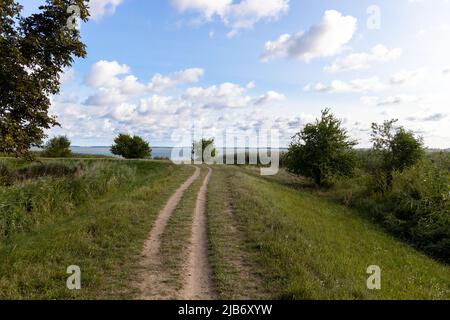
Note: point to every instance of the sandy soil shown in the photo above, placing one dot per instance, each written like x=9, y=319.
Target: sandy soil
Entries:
x=151, y=281
x=198, y=273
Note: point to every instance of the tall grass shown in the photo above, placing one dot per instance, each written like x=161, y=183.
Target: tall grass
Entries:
x=41, y=193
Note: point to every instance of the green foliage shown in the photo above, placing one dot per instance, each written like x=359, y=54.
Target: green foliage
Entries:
x=6, y=176
x=322, y=151
x=396, y=150
x=306, y=247
x=58, y=147
x=109, y=228
x=131, y=147
x=419, y=206
x=204, y=149
x=34, y=51
x=53, y=190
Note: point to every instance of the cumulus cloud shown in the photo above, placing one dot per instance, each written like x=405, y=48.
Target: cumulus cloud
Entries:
x=356, y=85
x=100, y=8
x=236, y=15
x=225, y=95
x=104, y=97
x=105, y=74
x=114, y=82
x=323, y=40
x=268, y=97
x=123, y=112
x=160, y=83
x=361, y=61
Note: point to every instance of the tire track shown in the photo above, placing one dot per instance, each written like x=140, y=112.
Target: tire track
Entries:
x=198, y=272
x=151, y=282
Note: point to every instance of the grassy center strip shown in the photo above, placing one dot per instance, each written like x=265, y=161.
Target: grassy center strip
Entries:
x=177, y=235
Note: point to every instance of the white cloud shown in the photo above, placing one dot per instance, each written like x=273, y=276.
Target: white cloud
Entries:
x=105, y=97
x=356, y=85
x=323, y=40
x=160, y=83
x=123, y=112
x=361, y=61
x=407, y=76
x=114, y=83
x=105, y=74
x=239, y=15
x=225, y=95
x=67, y=75
x=99, y=8
x=158, y=104
x=435, y=117
x=270, y=96
x=443, y=27
x=390, y=100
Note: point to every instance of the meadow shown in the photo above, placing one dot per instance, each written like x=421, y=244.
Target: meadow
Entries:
x=267, y=237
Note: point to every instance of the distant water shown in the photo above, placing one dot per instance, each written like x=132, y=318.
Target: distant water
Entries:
x=106, y=151
x=165, y=152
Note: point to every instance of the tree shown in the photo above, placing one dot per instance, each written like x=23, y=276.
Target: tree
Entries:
x=396, y=149
x=199, y=148
x=131, y=147
x=34, y=51
x=322, y=151
x=58, y=147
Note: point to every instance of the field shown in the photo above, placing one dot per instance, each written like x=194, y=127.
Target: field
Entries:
x=255, y=237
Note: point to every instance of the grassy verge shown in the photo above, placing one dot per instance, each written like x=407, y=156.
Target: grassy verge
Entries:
x=235, y=272
x=177, y=235
x=103, y=235
x=310, y=248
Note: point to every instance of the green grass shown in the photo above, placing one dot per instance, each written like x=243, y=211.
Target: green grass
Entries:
x=103, y=233
x=177, y=235
x=234, y=273
x=307, y=247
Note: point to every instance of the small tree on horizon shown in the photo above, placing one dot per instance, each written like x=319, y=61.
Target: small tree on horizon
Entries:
x=131, y=147
x=57, y=147
x=322, y=151
x=199, y=148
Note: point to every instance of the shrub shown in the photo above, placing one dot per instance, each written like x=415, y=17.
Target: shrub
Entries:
x=420, y=206
x=58, y=147
x=6, y=175
x=131, y=147
x=51, y=169
x=321, y=151
x=395, y=150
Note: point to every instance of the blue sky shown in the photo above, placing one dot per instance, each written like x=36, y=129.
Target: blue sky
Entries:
x=224, y=64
